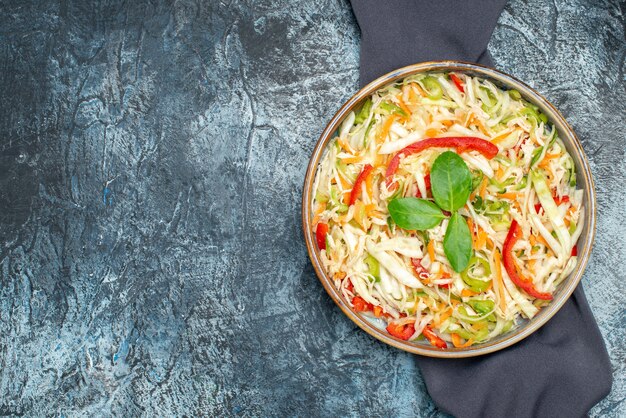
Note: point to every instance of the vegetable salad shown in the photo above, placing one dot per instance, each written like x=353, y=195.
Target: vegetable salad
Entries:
x=447, y=207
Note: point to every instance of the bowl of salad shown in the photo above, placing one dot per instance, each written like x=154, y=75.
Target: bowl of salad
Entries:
x=448, y=209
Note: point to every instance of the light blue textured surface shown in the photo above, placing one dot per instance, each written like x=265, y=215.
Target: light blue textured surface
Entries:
x=151, y=164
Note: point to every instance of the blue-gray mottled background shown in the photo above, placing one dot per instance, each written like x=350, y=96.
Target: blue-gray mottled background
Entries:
x=151, y=163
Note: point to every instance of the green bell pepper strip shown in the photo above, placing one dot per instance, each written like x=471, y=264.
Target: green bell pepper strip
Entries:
x=473, y=319
x=343, y=169
x=321, y=197
x=475, y=284
x=335, y=202
x=476, y=336
x=507, y=326
x=533, y=113
x=373, y=267
x=515, y=95
x=391, y=108
x=522, y=184
x=482, y=306
x=364, y=112
x=433, y=88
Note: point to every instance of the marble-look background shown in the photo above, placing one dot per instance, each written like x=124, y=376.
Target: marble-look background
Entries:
x=151, y=163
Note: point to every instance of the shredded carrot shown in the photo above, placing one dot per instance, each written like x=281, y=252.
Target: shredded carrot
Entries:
x=542, y=240
x=431, y=250
x=369, y=185
x=531, y=264
x=445, y=315
x=447, y=123
x=496, y=262
x=345, y=184
x=481, y=238
x=381, y=160
x=386, y=127
x=468, y=343
x=456, y=340
x=403, y=105
x=479, y=326
x=501, y=136
x=432, y=132
x=510, y=195
x=532, y=240
x=499, y=172
x=346, y=147
x=467, y=293
x=551, y=156
x=483, y=188
x=545, y=164
x=412, y=95
x=480, y=125
x=352, y=160
x=419, y=89
x=470, y=224
x=376, y=214
x=320, y=208
x=378, y=311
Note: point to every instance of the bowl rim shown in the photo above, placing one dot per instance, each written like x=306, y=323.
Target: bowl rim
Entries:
x=566, y=133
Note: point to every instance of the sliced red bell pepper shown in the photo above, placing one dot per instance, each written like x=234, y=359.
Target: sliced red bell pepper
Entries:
x=360, y=305
x=515, y=233
x=403, y=332
x=562, y=199
x=574, y=251
x=460, y=143
x=457, y=82
x=421, y=272
x=433, y=338
x=356, y=189
x=557, y=200
x=320, y=235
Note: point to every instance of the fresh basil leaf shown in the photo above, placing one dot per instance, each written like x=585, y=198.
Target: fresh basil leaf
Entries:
x=451, y=181
x=414, y=213
x=457, y=243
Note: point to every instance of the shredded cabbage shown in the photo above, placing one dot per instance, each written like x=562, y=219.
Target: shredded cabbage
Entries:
x=403, y=277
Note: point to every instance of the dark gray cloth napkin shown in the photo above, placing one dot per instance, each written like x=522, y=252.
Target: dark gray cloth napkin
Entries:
x=561, y=370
